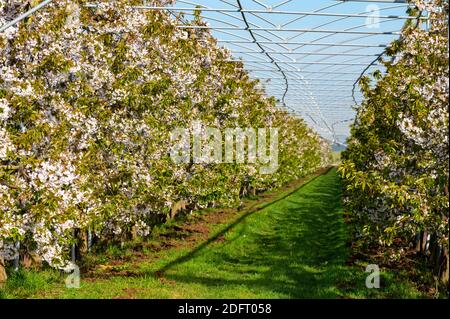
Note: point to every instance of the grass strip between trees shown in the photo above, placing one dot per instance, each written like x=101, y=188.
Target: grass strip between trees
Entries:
x=287, y=244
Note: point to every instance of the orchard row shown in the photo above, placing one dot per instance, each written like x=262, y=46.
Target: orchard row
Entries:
x=88, y=100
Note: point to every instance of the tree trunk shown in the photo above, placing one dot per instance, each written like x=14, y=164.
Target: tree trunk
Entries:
x=31, y=261
x=424, y=242
x=82, y=242
x=435, y=254
x=444, y=266
x=134, y=234
x=178, y=208
x=419, y=238
x=3, y=275
x=416, y=243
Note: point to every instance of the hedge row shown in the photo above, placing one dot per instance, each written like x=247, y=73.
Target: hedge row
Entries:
x=396, y=168
x=88, y=99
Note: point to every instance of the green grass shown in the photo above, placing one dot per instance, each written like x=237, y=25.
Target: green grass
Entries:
x=292, y=248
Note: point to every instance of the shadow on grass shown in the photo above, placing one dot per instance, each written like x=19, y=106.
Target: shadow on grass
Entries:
x=225, y=230
x=294, y=247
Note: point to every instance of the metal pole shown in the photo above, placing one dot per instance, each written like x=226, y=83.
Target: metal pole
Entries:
x=17, y=259
x=25, y=15
x=73, y=249
x=89, y=239
x=201, y=27
x=303, y=13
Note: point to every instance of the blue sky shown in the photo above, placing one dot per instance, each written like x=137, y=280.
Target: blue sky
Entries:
x=321, y=92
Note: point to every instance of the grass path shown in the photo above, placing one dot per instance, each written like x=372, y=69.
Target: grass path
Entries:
x=292, y=248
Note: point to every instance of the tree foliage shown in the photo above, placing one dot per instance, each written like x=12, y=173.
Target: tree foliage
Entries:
x=88, y=98
x=396, y=169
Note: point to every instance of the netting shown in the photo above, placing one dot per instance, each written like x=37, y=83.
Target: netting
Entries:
x=307, y=54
